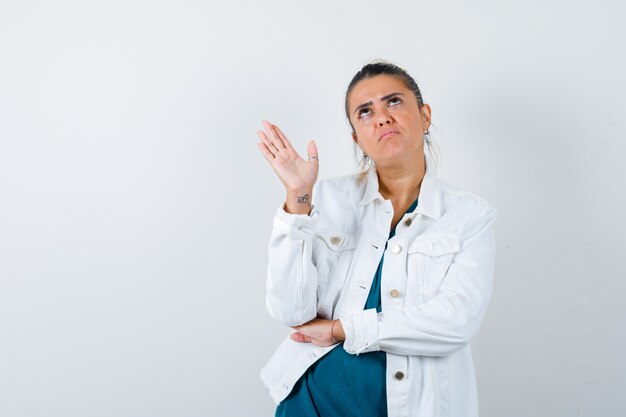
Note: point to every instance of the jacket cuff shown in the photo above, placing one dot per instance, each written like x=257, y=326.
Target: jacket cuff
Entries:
x=296, y=226
x=361, y=331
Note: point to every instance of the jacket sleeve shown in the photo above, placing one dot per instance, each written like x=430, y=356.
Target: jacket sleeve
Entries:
x=447, y=321
x=291, y=287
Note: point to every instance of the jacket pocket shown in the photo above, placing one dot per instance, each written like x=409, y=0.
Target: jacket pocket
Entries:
x=334, y=255
x=430, y=257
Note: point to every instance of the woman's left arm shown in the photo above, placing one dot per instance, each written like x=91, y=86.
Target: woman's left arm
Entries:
x=447, y=321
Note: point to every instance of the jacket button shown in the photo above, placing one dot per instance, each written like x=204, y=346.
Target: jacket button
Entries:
x=394, y=293
x=398, y=376
x=335, y=240
x=408, y=221
x=396, y=249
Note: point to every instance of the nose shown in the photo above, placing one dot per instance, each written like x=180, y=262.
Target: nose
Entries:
x=382, y=123
x=384, y=118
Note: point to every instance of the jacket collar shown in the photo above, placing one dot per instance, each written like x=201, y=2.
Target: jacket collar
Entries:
x=429, y=199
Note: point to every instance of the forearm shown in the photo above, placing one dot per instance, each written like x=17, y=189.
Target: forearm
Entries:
x=291, y=289
x=441, y=325
x=435, y=328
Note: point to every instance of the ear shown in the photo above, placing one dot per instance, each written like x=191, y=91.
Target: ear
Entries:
x=426, y=115
x=354, y=138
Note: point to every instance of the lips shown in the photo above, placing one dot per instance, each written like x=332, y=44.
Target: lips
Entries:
x=387, y=134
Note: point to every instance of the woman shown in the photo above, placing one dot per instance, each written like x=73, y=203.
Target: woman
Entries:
x=385, y=276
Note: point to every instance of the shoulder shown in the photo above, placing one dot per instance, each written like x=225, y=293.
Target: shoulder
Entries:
x=347, y=187
x=343, y=181
x=456, y=195
x=462, y=207
x=336, y=201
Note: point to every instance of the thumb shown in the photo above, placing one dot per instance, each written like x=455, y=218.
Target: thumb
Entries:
x=311, y=148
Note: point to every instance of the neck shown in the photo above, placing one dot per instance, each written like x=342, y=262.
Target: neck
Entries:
x=401, y=183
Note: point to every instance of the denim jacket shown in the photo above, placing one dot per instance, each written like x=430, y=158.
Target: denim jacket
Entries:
x=437, y=284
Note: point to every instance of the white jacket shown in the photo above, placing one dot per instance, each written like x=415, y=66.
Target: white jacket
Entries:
x=436, y=285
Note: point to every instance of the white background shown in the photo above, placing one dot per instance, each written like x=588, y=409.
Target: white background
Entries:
x=135, y=208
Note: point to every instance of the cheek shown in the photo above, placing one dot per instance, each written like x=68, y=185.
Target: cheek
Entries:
x=413, y=121
x=363, y=132
x=410, y=115
x=358, y=129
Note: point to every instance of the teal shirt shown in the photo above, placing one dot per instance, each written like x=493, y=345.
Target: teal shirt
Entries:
x=341, y=384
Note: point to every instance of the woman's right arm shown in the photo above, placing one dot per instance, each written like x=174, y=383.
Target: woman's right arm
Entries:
x=291, y=286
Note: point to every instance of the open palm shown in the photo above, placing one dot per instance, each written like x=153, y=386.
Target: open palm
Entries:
x=293, y=171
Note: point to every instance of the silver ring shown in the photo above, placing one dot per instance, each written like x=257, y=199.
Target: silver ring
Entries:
x=313, y=157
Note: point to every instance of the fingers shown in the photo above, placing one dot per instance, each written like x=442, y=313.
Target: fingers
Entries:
x=268, y=144
x=266, y=152
x=290, y=167
x=312, y=151
x=282, y=136
x=299, y=337
x=272, y=134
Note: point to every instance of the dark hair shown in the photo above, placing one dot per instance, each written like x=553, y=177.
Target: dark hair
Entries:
x=381, y=67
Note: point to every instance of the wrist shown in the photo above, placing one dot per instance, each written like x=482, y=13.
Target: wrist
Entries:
x=299, y=202
x=337, y=332
x=300, y=190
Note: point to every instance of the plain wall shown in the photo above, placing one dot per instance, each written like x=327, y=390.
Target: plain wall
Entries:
x=135, y=207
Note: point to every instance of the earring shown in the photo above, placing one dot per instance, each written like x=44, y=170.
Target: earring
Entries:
x=427, y=137
x=365, y=156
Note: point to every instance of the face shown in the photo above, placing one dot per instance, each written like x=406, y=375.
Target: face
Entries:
x=388, y=123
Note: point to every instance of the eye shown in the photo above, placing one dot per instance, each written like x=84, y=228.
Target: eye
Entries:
x=360, y=114
x=394, y=99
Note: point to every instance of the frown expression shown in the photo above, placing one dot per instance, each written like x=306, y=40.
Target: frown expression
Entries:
x=387, y=120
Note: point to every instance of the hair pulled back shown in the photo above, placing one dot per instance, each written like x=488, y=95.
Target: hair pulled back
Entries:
x=370, y=70
x=381, y=67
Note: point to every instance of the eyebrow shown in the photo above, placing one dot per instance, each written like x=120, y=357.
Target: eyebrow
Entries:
x=369, y=103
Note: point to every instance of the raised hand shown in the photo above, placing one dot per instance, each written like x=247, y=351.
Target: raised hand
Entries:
x=297, y=175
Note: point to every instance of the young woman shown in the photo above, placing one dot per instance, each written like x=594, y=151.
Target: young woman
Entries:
x=385, y=275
